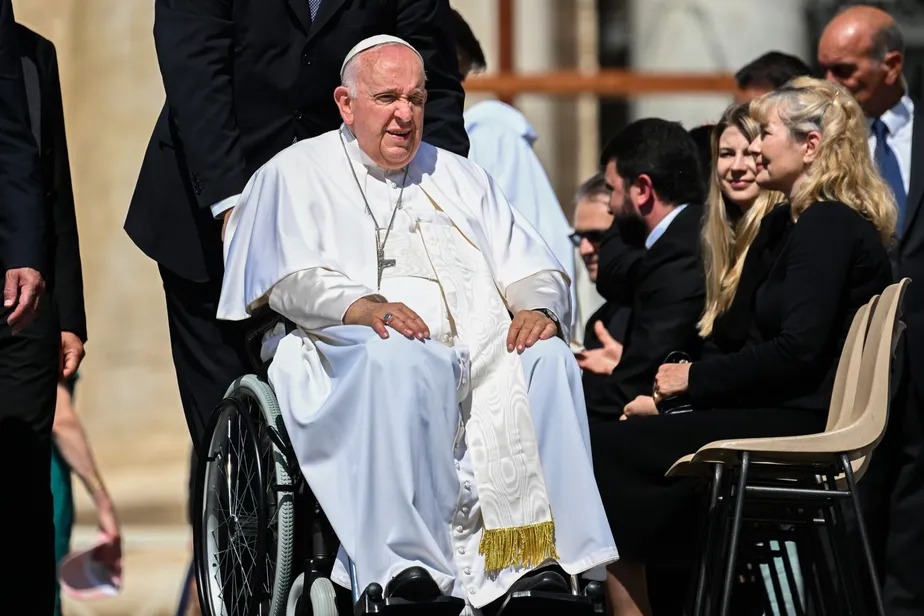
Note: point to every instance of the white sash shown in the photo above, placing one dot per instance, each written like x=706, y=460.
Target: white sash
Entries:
x=518, y=526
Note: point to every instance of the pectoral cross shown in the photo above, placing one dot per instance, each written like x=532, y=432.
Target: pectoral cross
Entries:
x=383, y=263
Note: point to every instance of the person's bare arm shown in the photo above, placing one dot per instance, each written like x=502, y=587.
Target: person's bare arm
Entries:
x=71, y=440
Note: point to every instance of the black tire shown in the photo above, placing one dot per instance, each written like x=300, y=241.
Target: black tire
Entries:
x=244, y=536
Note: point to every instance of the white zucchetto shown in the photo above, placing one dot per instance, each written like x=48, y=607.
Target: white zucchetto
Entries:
x=375, y=41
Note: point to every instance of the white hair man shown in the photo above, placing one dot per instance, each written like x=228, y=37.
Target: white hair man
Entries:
x=439, y=434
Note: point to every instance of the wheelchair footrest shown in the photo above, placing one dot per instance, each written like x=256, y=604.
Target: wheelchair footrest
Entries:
x=531, y=602
x=441, y=606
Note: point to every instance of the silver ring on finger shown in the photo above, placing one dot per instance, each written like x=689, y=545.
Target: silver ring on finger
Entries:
x=388, y=317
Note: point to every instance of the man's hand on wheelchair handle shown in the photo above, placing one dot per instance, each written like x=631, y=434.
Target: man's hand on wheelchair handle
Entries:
x=381, y=315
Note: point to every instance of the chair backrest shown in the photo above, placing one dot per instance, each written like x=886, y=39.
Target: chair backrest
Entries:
x=868, y=415
x=848, y=367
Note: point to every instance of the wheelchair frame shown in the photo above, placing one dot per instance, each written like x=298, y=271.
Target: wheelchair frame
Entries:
x=260, y=534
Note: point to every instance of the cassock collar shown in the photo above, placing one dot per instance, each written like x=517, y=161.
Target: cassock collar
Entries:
x=356, y=154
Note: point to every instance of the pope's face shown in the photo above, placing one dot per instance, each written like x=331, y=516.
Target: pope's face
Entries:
x=386, y=115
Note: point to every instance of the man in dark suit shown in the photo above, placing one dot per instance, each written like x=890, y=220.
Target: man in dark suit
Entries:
x=244, y=80
x=28, y=351
x=46, y=117
x=64, y=289
x=862, y=48
x=650, y=257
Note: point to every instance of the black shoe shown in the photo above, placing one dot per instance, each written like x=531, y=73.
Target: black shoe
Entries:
x=547, y=579
x=544, y=580
x=413, y=584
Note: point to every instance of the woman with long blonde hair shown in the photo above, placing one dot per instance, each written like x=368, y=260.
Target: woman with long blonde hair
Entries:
x=814, y=261
x=734, y=208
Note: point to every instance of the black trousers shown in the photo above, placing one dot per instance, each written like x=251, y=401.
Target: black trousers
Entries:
x=654, y=518
x=28, y=381
x=208, y=354
x=893, y=500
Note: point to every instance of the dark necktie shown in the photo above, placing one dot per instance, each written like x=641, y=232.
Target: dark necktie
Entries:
x=313, y=8
x=888, y=166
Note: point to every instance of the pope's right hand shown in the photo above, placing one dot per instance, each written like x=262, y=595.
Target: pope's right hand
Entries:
x=381, y=315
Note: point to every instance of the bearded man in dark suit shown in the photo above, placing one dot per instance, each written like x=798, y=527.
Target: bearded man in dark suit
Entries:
x=649, y=258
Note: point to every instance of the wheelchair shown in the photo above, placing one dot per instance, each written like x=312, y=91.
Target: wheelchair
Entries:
x=262, y=544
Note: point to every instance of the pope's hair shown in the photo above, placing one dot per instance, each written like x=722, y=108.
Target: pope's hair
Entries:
x=352, y=70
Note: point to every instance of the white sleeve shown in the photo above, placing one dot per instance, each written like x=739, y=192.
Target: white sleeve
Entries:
x=316, y=297
x=224, y=205
x=546, y=289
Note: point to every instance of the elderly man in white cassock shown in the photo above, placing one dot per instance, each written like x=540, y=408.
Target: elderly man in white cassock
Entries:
x=441, y=435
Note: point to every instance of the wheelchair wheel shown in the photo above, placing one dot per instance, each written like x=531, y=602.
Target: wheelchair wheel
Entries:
x=323, y=598
x=244, y=539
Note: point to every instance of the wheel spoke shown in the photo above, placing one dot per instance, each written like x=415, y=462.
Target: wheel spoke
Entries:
x=240, y=479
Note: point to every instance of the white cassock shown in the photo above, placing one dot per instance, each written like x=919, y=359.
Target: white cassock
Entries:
x=415, y=448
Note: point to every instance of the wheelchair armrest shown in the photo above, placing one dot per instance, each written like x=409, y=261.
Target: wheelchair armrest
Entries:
x=261, y=321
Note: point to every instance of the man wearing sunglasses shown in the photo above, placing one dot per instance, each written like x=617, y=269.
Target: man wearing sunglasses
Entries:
x=605, y=330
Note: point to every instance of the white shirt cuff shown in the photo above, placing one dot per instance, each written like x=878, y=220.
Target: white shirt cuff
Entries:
x=546, y=289
x=224, y=205
x=317, y=297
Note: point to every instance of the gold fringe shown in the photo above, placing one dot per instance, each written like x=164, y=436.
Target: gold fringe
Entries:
x=520, y=546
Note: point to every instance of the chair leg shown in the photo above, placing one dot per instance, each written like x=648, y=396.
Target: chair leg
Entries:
x=864, y=537
x=735, y=534
x=843, y=568
x=708, y=546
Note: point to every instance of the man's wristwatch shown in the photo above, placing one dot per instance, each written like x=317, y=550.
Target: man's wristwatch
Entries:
x=553, y=318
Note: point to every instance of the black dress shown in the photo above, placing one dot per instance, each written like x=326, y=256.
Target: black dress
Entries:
x=767, y=371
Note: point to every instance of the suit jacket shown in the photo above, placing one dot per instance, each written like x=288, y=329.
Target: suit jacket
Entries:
x=22, y=215
x=792, y=311
x=64, y=279
x=622, y=248
x=246, y=79
x=668, y=292
x=908, y=254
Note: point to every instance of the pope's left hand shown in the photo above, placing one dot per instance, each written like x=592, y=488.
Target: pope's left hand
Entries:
x=672, y=379
x=529, y=327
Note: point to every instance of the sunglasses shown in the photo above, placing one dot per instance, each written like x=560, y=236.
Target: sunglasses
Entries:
x=593, y=237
